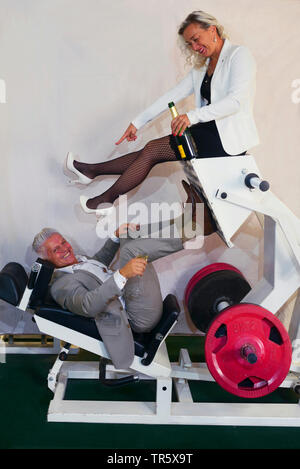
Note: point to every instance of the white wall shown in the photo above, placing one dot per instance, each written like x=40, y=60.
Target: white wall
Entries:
x=78, y=71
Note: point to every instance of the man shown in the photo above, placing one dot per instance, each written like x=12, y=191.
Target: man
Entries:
x=87, y=286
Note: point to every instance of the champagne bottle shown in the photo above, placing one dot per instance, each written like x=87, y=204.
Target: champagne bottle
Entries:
x=186, y=144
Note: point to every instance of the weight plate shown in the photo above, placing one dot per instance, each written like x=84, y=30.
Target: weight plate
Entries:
x=248, y=351
x=208, y=286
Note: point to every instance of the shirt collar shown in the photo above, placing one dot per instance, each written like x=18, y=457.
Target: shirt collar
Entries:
x=70, y=268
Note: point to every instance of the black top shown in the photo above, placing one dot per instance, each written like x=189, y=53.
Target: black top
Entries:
x=205, y=134
x=205, y=87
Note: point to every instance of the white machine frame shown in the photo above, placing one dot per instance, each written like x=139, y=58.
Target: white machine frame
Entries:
x=222, y=182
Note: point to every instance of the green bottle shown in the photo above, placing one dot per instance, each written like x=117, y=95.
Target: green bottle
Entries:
x=185, y=143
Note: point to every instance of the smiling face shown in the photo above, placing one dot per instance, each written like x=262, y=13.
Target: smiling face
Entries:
x=59, y=251
x=202, y=41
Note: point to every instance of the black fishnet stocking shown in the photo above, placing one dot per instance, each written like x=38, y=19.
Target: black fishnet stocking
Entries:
x=133, y=169
x=116, y=166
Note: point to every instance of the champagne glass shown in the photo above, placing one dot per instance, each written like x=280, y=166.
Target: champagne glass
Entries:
x=138, y=285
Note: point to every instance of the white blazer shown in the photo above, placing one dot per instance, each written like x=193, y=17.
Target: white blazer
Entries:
x=232, y=94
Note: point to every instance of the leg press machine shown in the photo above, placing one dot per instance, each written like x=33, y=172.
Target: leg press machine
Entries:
x=247, y=350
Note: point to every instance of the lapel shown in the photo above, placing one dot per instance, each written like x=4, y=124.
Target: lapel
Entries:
x=79, y=273
x=221, y=59
x=218, y=77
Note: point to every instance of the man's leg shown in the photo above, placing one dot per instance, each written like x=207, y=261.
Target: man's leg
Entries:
x=163, y=240
x=142, y=295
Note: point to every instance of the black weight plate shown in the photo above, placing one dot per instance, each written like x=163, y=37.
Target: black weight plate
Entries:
x=223, y=284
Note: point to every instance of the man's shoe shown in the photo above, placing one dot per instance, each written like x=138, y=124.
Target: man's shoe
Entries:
x=188, y=191
x=195, y=197
x=209, y=223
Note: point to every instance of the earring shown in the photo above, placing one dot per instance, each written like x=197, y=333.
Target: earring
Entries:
x=215, y=39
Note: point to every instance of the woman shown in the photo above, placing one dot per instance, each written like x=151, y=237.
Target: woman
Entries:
x=223, y=81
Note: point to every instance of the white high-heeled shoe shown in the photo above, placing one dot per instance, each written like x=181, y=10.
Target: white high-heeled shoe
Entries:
x=99, y=212
x=82, y=179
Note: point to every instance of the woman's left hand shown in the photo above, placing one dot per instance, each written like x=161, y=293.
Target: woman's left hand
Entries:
x=179, y=124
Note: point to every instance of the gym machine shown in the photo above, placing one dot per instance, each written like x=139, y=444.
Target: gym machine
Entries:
x=248, y=351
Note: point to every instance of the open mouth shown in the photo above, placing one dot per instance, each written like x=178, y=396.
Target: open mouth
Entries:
x=202, y=50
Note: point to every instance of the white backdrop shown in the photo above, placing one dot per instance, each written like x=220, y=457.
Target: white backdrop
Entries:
x=77, y=72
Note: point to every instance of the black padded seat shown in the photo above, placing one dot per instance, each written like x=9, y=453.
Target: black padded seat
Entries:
x=78, y=323
x=145, y=343
x=13, y=281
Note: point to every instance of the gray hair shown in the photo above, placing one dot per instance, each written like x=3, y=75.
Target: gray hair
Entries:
x=205, y=21
x=41, y=238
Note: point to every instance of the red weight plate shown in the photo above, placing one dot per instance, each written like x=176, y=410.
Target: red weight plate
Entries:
x=248, y=351
x=207, y=270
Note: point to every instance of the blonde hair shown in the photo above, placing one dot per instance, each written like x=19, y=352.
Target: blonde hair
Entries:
x=205, y=21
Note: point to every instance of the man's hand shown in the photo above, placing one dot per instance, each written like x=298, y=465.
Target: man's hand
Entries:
x=179, y=124
x=134, y=267
x=129, y=134
x=123, y=229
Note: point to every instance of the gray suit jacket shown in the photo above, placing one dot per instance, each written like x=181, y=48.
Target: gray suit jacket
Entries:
x=83, y=293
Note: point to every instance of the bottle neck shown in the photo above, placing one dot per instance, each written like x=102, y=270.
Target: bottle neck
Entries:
x=174, y=112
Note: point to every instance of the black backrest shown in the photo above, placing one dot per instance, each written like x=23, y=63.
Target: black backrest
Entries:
x=13, y=280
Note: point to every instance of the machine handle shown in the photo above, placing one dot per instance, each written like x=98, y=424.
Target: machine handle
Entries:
x=35, y=270
x=24, y=302
x=253, y=181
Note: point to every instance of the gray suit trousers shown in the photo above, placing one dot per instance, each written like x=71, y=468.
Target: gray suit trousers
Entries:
x=142, y=295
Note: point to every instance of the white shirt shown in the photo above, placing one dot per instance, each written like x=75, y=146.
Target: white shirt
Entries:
x=97, y=268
